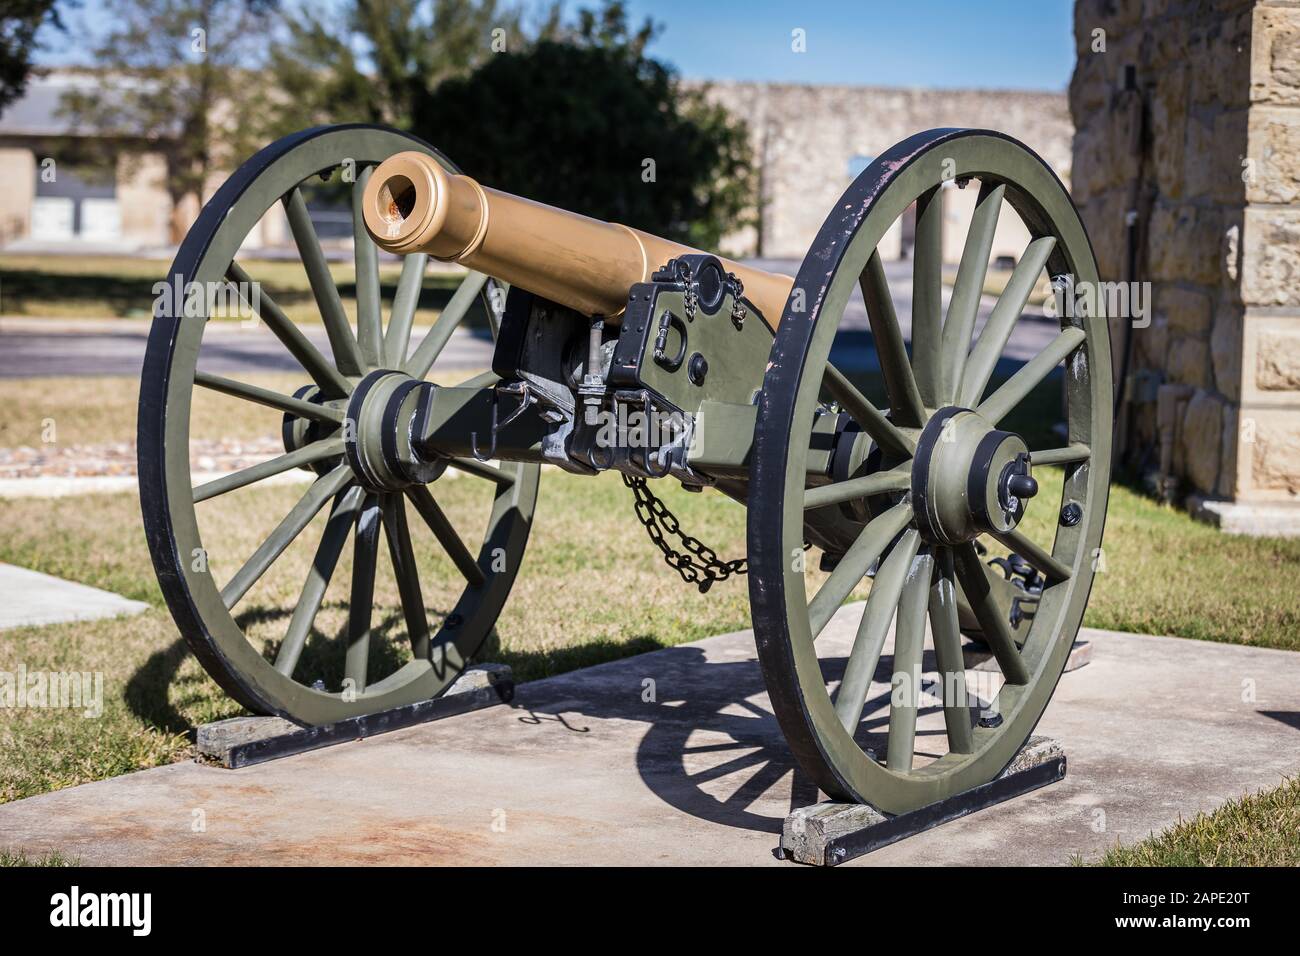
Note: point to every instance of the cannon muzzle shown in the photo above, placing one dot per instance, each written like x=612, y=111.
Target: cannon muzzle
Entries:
x=412, y=205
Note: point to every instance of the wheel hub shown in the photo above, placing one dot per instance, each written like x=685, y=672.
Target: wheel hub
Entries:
x=377, y=432
x=297, y=432
x=969, y=478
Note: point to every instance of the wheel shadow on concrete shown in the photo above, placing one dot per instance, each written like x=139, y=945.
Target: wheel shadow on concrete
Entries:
x=711, y=746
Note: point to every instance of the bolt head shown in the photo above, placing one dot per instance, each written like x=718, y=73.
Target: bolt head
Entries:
x=697, y=369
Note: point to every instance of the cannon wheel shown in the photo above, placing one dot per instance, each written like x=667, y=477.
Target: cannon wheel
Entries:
x=274, y=679
x=919, y=572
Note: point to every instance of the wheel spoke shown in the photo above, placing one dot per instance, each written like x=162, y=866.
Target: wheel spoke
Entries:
x=1015, y=389
x=262, y=396
x=896, y=479
x=1061, y=456
x=306, y=455
x=968, y=287
x=405, y=301
x=407, y=573
x=947, y=651
x=927, y=295
x=872, y=630
x=442, y=530
x=365, y=553
x=322, y=372
x=290, y=527
x=481, y=470
x=365, y=255
x=997, y=330
x=418, y=365
x=909, y=648
x=322, y=568
x=996, y=631
x=1022, y=545
x=873, y=422
x=855, y=563
x=488, y=379
x=347, y=356
x=907, y=408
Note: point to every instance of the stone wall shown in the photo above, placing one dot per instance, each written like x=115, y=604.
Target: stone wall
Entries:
x=805, y=137
x=1215, y=187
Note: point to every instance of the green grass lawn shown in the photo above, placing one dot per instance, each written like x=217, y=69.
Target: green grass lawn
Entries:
x=1261, y=829
x=17, y=858
x=592, y=589
x=122, y=287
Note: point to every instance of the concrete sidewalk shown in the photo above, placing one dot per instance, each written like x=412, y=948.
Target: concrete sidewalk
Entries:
x=582, y=769
x=29, y=598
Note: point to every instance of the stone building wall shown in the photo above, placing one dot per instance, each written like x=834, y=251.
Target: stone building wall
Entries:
x=805, y=137
x=1215, y=186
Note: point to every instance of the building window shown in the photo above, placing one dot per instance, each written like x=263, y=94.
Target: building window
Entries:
x=80, y=203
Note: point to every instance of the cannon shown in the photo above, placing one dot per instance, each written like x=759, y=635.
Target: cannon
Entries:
x=619, y=351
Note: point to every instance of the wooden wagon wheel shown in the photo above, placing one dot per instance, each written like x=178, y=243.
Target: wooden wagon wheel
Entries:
x=940, y=478
x=343, y=424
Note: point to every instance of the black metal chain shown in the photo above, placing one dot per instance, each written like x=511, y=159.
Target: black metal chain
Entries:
x=659, y=521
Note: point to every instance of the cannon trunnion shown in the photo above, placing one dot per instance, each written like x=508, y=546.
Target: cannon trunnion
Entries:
x=964, y=506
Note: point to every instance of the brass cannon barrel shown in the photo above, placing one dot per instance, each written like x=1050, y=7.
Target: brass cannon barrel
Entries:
x=412, y=204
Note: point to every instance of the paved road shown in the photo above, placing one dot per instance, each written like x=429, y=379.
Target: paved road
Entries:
x=33, y=347
x=1030, y=337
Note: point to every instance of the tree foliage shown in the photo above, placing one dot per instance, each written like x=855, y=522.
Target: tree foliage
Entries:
x=175, y=77
x=20, y=22
x=368, y=60
x=569, y=112
x=585, y=120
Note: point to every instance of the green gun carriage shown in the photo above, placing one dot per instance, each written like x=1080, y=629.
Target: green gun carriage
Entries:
x=596, y=324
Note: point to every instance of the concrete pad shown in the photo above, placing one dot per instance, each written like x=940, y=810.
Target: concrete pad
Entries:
x=29, y=597
x=674, y=757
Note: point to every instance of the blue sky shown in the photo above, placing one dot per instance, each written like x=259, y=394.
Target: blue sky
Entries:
x=1011, y=44
x=1014, y=44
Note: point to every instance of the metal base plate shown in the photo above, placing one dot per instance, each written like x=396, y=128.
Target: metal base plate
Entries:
x=978, y=657
x=243, y=741
x=830, y=833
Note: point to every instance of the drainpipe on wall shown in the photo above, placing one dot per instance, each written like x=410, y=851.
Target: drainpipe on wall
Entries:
x=1137, y=212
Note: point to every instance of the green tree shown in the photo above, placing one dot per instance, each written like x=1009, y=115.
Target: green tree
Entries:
x=20, y=23
x=585, y=120
x=176, y=78
x=368, y=60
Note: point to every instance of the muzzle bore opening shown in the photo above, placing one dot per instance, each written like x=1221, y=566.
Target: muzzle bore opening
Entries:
x=396, y=199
